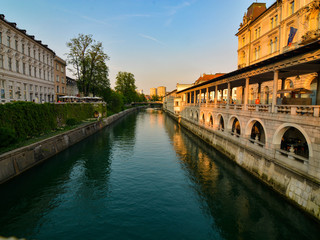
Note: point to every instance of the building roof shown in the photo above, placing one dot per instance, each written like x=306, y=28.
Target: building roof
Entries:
x=60, y=60
x=24, y=32
x=207, y=77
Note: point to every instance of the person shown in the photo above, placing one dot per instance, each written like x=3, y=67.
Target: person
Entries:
x=257, y=101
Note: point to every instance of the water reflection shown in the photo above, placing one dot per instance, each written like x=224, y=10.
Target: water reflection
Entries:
x=240, y=206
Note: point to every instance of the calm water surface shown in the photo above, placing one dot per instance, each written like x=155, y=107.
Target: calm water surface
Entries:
x=145, y=178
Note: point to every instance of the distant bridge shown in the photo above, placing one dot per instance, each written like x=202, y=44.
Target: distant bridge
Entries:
x=156, y=104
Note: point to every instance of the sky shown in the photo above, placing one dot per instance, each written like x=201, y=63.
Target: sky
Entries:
x=162, y=42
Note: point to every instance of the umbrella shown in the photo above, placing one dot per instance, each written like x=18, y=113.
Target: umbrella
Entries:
x=289, y=90
x=302, y=91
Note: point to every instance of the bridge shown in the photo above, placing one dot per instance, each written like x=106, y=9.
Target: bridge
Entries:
x=156, y=104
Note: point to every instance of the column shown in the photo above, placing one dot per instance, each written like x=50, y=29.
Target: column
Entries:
x=274, y=91
x=228, y=94
x=194, y=97
x=283, y=80
x=207, y=96
x=246, y=93
x=216, y=95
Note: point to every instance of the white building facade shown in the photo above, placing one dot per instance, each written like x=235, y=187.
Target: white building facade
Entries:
x=26, y=66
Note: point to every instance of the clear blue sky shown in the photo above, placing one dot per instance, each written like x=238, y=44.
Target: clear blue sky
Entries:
x=161, y=42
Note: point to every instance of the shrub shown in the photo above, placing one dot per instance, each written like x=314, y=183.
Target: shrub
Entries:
x=71, y=122
x=7, y=136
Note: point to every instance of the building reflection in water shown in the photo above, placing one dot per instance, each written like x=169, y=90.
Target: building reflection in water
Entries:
x=239, y=206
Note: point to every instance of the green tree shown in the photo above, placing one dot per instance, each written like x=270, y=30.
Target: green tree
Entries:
x=155, y=98
x=88, y=60
x=125, y=84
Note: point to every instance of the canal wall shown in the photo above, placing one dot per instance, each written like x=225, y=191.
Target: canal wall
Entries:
x=300, y=189
x=20, y=160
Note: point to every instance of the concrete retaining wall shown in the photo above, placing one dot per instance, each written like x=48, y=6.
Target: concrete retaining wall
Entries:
x=19, y=160
x=301, y=190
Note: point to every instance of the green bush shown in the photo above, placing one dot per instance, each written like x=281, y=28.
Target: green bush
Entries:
x=28, y=119
x=7, y=137
x=71, y=122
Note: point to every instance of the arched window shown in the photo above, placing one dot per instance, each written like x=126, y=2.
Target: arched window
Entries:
x=211, y=121
x=221, y=124
x=236, y=127
x=275, y=44
x=294, y=141
x=257, y=133
x=271, y=46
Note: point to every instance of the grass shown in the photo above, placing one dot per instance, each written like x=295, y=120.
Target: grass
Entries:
x=44, y=136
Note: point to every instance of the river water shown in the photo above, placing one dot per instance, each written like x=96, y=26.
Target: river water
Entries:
x=146, y=178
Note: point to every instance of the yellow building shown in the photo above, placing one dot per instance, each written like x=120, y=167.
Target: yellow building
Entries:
x=60, y=82
x=268, y=32
x=161, y=91
x=153, y=92
x=265, y=33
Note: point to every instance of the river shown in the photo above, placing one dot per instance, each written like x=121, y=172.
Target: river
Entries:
x=144, y=177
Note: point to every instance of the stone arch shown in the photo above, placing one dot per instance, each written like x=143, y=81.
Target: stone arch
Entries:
x=288, y=84
x=196, y=116
x=210, y=120
x=234, y=125
x=202, y=118
x=282, y=130
x=221, y=125
x=256, y=129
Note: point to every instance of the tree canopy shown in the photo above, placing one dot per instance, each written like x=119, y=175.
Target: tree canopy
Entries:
x=88, y=60
x=125, y=84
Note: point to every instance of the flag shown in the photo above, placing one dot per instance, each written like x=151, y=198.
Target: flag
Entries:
x=291, y=35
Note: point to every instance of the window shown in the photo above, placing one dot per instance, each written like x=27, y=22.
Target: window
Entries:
x=39, y=56
x=0, y=37
x=43, y=58
x=11, y=90
x=17, y=66
x=16, y=45
x=8, y=41
x=57, y=89
x=34, y=53
x=57, y=78
x=35, y=71
x=62, y=89
x=36, y=88
x=271, y=23
x=22, y=48
x=23, y=68
x=62, y=69
x=276, y=20
x=44, y=74
x=271, y=46
x=40, y=73
x=28, y=51
x=57, y=66
x=10, y=63
x=2, y=89
x=275, y=44
x=29, y=70
x=31, y=87
x=291, y=8
x=62, y=79
x=1, y=61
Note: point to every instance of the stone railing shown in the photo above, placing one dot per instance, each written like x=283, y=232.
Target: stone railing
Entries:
x=300, y=110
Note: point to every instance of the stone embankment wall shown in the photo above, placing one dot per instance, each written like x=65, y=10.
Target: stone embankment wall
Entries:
x=19, y=160
x=301, y=190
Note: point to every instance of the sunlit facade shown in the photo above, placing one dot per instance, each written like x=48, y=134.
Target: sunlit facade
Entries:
x=26, y=66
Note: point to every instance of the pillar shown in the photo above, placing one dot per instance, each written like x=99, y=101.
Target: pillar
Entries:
x=274, y=91
x=207, y=96
x=246, y=94
x=228, y=94
x=216, y=95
